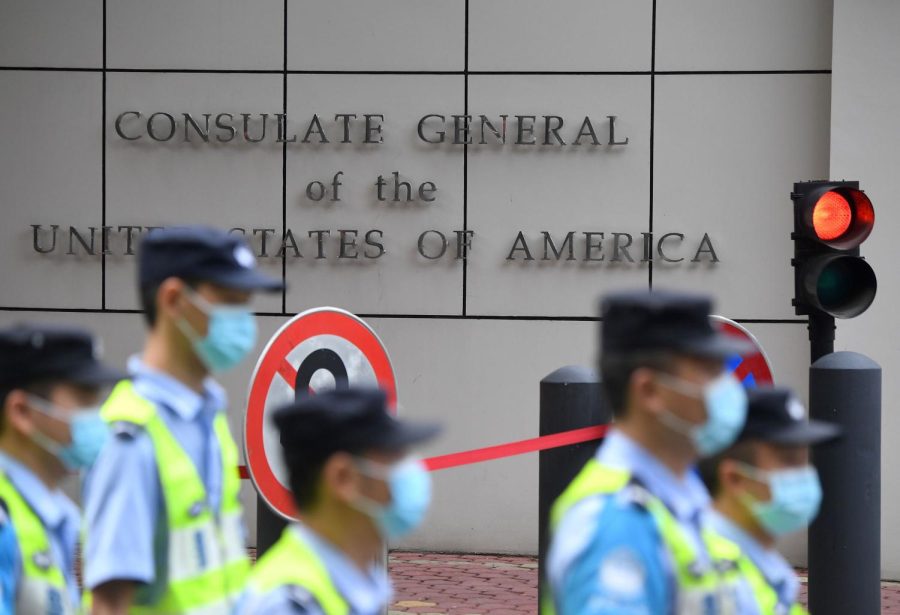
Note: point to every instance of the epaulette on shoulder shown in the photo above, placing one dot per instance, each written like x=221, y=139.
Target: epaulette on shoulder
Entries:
x=303, y=600
x=126, y=430
x=635, y=494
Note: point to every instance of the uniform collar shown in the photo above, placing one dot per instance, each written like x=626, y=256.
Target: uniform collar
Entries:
x=364, y=592
x=181, y=399
x=777, y=572
x=52, y=507
x=684, y=496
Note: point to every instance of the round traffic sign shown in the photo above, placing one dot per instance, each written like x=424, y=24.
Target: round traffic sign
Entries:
x=752, y=368
x=319, y=349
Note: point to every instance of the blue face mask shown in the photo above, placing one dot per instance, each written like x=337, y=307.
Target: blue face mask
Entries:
x=796, y=497
x=89, y=433
x=230, y=334
x=726, y=410
x=410, y=486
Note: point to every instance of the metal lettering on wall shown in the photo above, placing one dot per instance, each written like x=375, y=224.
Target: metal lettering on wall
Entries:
x=354, y=128
x=373, y=244
x=431, y=244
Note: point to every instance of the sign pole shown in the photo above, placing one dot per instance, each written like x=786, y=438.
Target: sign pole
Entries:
x=269, y=526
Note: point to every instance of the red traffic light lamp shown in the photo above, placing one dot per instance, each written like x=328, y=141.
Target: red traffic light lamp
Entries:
x=836, y=214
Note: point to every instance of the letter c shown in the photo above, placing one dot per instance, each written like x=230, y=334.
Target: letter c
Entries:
x=659, y=247
x=119, y=125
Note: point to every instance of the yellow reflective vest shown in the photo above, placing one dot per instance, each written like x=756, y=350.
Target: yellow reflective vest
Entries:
x=766, y=597
x=292, y=562
x=699, y=585
x=207, y=563
x=42, y=587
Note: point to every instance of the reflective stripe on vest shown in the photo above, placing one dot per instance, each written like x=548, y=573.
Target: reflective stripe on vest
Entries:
x=207, y=562
x=701, y=587
x=42, y=588
x=291, y=561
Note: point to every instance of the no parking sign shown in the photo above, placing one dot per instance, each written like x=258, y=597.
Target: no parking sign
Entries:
x=752, y=368
x=319, y=349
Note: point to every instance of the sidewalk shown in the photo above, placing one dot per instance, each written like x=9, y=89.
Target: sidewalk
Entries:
x=455, y=584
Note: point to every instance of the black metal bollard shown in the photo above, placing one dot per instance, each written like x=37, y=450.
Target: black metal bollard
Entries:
x=570, y=399
x=269, y=526
x=845, y=539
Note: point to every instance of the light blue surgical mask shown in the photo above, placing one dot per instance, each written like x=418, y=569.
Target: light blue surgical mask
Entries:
x=230, y=334
x=410, y=486
x=725, y=401
x=89, y=433
x=796, y=497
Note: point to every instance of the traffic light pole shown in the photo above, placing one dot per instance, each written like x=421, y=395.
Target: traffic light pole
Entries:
x=821, y=335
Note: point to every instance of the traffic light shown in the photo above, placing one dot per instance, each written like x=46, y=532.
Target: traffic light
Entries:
x=831, y=220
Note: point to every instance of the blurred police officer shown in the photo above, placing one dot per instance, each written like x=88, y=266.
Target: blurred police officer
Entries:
x=764, y=487
x=628, y=532
x=356, y=487
x=164, y=522
x=51, y=382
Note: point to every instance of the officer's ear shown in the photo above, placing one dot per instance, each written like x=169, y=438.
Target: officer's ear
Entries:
x=340, y=477
x=645, y=392
x=170, y=298
x=17, y=414
x=730, y=477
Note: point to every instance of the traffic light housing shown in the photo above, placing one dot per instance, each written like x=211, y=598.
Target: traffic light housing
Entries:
x=831, y=220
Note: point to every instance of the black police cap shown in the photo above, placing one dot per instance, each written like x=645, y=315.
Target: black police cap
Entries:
x=32, y=352
x=201, y=253
x=351, y=420
x=680, y=322
x=775, y=415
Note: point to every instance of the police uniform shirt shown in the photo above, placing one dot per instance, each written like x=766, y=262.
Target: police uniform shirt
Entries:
x=366, y=593
x=607, y=555
x=123, y=499
x=777, y=571
x=9, y=562
x=59, y=516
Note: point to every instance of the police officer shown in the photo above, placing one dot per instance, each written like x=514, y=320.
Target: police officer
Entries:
x=51, y=383
x=764, y=487
x=628, y=532
x=355, y=486
x=164, y=529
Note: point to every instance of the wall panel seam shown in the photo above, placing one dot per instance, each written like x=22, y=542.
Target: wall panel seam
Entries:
x=212, y=71
x=528, y=317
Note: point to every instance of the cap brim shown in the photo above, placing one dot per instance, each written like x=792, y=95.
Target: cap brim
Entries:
x=719, y=346
x=96, y=374
x=249, y=280
x=405, y=434
x=805, y=433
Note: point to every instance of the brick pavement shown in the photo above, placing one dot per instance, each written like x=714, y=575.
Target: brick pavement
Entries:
x=456, y=584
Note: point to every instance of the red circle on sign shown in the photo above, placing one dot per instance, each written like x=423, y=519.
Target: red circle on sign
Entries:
x=320, y=321
x=754, y=363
